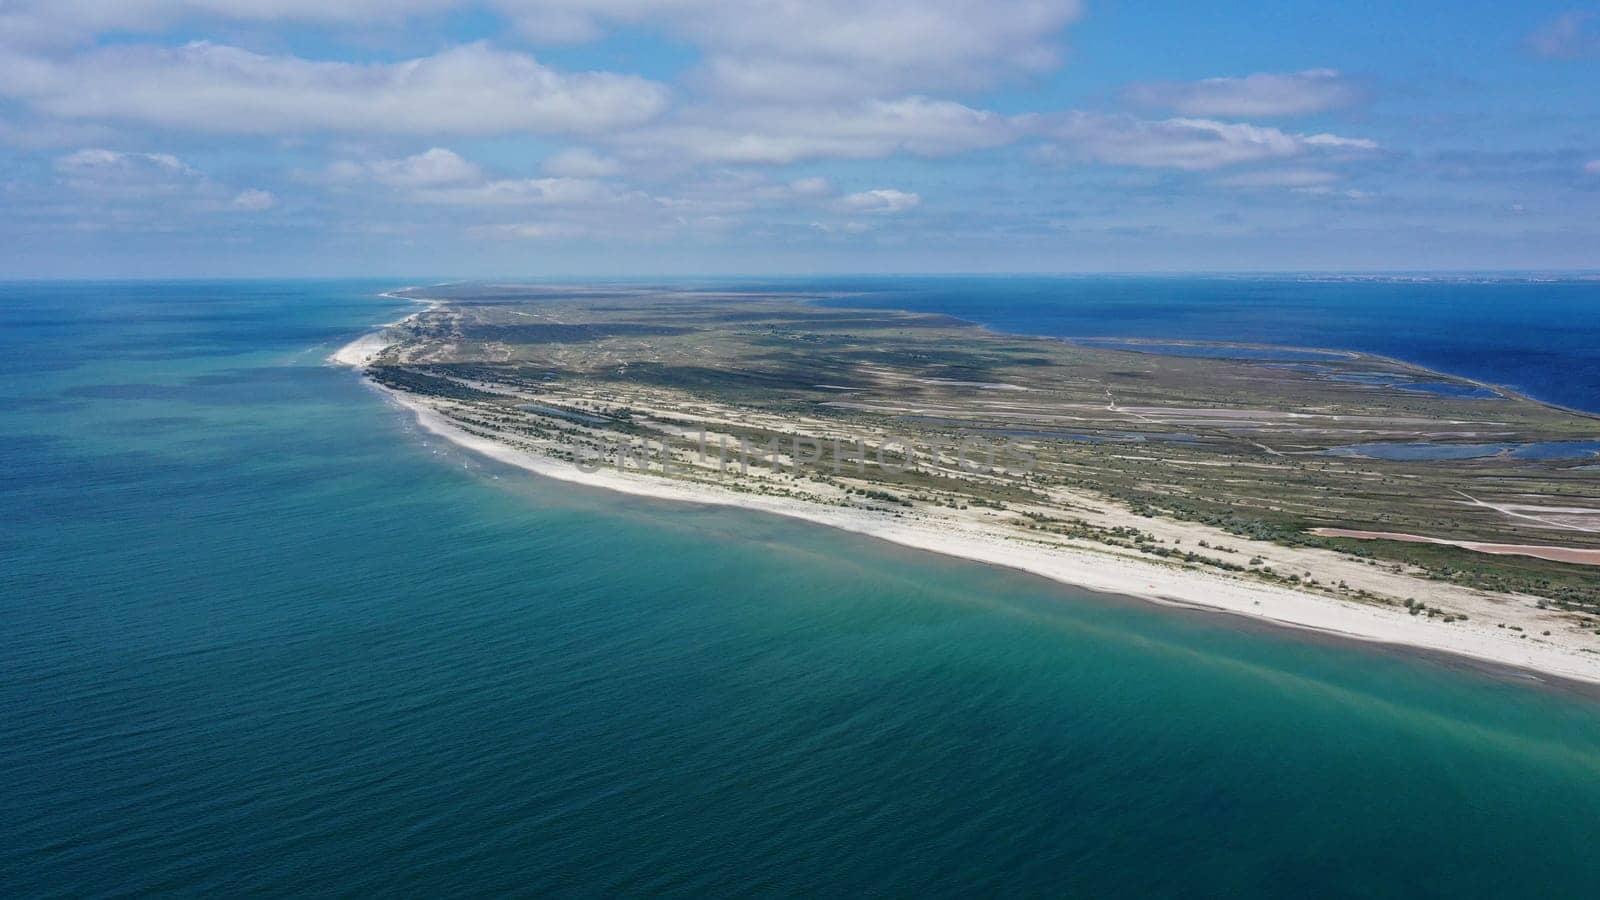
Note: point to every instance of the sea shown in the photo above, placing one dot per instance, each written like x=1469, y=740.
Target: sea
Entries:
x=1536, y=334
x=261, y=635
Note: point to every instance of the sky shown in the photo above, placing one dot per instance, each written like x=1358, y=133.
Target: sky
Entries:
x=453, y=138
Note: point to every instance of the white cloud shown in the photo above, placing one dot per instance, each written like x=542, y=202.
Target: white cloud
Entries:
x=841, y=227
x=116, y=177
x=762, y=48
x=865, y=130
x=923, y=127
x=835, y=48
x=431, y=168
x=130, y=175
x=1270, y=178
x=1185, y=144
x=735, y=191
x=1323, y=190
x=59, y=20
x=1262, y=94
x=253, y=200
x=525, y=192
x=472, y=89
x=427, y=169
x=882, y=201
x=1592, y=167
x=42, y=24
x=811, y=187
x=577, y=162
x=444, y=178
x=777, y=83
x=529, y=231
x=1569, y=35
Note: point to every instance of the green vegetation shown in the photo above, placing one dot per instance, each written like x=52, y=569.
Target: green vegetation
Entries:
x=1027, y=430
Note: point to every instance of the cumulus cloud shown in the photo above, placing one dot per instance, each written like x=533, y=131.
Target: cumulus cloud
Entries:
x=881, y=201
x=111, y=173
x=443, y=177
x=525, y=192
x=1271, y=178
x=932, y=128
x=64, y=20
x=253, y=200
x=761, y=48
x=529, y=231
x=1262, y=94
x=837, y=48
x=774, y=84
x=116, y=177
x=841, y=227
x=811, y=187
x=1184, y=144
x=431, y=168
x=865, y=130
x=472, y=89
x=1322, y=190
x=1572, y=34
x=577, y=162
x=728, y=192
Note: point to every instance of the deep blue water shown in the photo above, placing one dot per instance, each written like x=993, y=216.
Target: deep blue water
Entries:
x=258, y=634
x=1538, y=337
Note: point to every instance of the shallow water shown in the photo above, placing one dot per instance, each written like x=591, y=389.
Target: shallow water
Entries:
x=1448, y=389
x=562, y=413
x=262, y=634
x=1444, y=451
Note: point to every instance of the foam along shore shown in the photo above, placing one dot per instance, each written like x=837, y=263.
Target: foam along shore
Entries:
x=1560, y=654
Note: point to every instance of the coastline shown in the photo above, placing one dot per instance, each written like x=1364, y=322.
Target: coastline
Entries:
x=1103, y=572
x=361, y=351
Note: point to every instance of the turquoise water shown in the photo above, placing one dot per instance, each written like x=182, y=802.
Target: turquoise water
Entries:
x=259, y=634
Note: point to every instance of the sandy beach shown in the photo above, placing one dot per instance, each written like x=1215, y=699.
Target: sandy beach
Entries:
x=1504, y=632
x=364, y=349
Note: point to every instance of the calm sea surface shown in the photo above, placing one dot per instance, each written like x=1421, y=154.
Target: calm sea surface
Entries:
x=258, y=634
x=1540, y=337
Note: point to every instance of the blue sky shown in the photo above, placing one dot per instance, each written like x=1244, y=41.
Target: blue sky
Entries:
x=629, y=137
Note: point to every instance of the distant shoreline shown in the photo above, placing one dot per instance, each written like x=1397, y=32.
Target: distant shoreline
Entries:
x=1100, y=572
x=1583, y=277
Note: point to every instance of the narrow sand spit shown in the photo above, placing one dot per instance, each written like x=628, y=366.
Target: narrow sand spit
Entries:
x=1563, y=655
x=363, y=350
